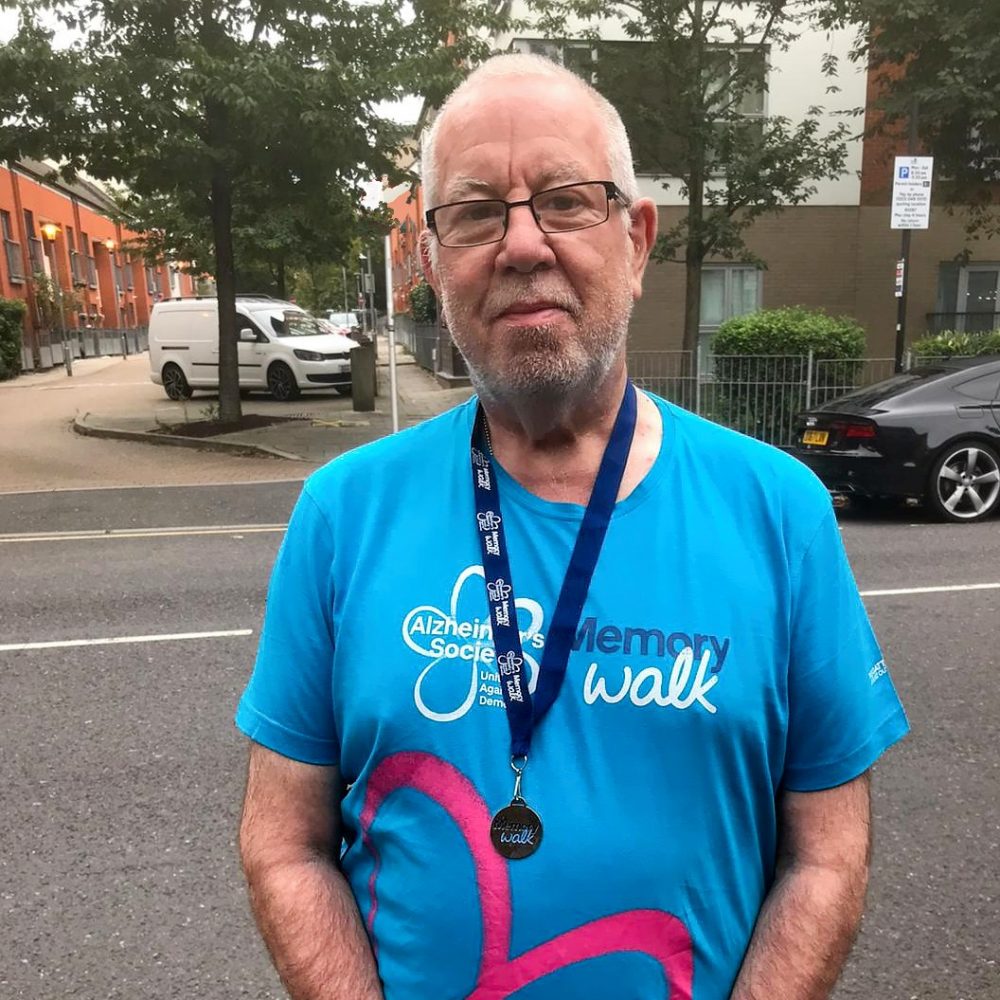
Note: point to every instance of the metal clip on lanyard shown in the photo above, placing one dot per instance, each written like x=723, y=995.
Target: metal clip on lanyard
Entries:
x=516, y=830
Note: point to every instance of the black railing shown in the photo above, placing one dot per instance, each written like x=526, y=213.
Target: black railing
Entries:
x=963, y=322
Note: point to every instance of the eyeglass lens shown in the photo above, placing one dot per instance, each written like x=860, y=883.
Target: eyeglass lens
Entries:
x=558, y=210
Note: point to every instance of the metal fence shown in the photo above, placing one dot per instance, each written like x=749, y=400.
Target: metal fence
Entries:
x=420, y=339
x=83, y=343
x=760, y=395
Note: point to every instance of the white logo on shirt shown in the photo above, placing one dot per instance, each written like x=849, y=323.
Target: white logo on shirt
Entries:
x=451, y=642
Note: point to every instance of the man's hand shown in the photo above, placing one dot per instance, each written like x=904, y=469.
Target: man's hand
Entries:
x=289, y=845
x=811, y=916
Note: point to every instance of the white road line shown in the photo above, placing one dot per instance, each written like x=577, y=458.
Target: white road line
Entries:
x=75, y=536
x=150, y=486
x=124, y=639
x=931, y=590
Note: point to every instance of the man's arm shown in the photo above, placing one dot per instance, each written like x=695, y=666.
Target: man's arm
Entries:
x=289, y=845
x=811, y=915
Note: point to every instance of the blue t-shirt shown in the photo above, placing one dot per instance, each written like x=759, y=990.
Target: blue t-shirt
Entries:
x=723, y=655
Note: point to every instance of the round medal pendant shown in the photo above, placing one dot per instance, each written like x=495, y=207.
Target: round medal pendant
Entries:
x=516, y=831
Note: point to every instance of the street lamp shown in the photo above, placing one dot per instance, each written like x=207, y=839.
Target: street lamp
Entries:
x=50, y=231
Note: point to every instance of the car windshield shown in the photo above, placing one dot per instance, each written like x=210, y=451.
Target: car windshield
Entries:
x=295, y=323
x=344, y=319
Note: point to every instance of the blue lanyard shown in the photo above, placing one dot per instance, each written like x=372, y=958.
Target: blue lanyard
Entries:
x=524, y=712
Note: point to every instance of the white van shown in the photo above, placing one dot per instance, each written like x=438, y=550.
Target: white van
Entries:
x=281, y=347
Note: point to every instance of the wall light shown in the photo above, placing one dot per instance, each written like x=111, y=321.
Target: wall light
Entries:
x=110, y=245
x=50, y=230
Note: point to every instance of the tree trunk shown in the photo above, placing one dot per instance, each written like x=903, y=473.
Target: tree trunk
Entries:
x=225, y=281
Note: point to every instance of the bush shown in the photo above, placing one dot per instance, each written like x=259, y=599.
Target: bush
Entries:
x=792, y=330
x=11, y=327
x=952, y=344
x=761, y=367
x=423, y=303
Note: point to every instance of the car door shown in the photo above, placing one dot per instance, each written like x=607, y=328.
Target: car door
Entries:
x=979, y=400
x=251, y=353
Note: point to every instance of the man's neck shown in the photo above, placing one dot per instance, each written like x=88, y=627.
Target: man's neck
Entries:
x=555, y=451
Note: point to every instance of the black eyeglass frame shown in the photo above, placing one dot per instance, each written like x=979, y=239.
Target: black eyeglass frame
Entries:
x=611, y=189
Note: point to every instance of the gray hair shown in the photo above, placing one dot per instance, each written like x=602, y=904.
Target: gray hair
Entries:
x=523, y=65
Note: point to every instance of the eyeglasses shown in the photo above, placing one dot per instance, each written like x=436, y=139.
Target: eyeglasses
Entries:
x=563, y=209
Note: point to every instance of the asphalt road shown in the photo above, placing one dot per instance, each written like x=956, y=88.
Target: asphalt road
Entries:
x=121, y=771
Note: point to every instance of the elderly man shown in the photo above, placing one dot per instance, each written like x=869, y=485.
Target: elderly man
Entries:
x=566, y=693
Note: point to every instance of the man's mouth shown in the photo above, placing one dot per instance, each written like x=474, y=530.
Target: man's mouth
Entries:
x=532, y=312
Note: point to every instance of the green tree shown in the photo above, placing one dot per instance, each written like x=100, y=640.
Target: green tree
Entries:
x=693, y=107
x=940, y=58
x=201, y=105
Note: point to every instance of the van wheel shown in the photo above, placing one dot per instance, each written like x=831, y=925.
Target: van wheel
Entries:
x=281, y=382
x=175, y=385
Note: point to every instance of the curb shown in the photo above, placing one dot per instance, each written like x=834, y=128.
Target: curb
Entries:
x=80, y=426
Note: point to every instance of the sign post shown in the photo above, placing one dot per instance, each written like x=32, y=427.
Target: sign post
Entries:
x=911, y=209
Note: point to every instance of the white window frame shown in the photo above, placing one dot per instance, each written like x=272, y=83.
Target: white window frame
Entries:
x=707, y=331
x=963, y=293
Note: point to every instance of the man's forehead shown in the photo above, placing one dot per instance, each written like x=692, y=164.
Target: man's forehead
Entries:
x=472, y=185
x=535, y=131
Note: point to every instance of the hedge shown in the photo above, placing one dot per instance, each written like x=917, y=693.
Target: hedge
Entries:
x=11, y=327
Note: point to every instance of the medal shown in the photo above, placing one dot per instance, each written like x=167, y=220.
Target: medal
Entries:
x=516, y=830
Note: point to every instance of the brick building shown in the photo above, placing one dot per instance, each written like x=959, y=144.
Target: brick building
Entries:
x=56, y=230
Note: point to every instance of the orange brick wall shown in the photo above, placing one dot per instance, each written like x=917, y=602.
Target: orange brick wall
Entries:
x=99, y=304
x=408, y=210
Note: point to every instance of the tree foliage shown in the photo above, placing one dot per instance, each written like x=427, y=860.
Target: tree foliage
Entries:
x=941, y=57
x=231, y=120
x=689, y=84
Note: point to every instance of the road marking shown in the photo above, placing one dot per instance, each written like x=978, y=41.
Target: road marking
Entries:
x=151, y=486
x=123, y=639
x=76, y=536
x=931, y=590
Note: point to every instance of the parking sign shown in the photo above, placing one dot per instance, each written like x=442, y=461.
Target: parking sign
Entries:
x=911, y=192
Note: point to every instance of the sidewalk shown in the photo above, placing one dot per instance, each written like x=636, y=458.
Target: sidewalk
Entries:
x=315, y=428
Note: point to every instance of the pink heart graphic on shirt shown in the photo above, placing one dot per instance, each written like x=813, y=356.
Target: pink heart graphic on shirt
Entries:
x=655, y=933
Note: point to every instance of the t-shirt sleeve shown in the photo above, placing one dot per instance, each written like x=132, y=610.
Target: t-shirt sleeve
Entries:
x=287, y=705
x=843, y=708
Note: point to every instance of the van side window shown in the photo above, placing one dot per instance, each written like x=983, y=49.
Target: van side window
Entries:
x=242, y=321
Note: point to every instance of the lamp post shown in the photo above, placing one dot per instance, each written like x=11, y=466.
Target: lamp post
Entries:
x=50, y=231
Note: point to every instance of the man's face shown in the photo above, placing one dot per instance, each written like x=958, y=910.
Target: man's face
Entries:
x=537, y=312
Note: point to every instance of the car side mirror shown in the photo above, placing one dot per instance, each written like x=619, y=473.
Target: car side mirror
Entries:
x=248, y=335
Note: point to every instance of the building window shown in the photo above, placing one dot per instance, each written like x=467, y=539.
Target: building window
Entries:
x=87, y=248
x=727, y=290
x=75, y=258
x=968, y=299
x=12, y=249
x=627, y=73
x=35, y=250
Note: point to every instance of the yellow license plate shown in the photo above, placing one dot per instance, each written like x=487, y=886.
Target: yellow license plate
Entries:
x=816, y=437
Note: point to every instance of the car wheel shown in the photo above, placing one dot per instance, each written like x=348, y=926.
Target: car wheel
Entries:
x=175, y=385
x=965, y=482
x=281, y=382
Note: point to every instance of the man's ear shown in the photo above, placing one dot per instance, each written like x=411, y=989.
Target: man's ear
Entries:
x=427, y=261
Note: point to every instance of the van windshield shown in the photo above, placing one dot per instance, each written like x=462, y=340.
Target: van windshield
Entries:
x=295, y=323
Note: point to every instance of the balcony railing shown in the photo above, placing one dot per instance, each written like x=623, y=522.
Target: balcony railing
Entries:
x=963, y=322
x=15, y=265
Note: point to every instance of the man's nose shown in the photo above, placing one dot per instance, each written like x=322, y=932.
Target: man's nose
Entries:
x=525, y=248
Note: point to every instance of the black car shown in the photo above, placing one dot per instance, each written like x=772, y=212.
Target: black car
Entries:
x=932, y=434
